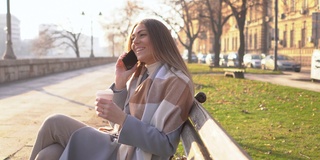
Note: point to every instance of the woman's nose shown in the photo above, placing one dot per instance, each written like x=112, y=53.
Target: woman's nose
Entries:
x=136, y=40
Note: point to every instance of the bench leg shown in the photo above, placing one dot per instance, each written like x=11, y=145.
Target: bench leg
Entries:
x=229, y=74
x=234, y=74
x=238, y=75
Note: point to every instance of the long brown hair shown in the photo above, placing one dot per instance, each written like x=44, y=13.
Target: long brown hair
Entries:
x=165, y=48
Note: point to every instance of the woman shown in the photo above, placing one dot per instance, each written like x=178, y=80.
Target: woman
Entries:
x=150, y=104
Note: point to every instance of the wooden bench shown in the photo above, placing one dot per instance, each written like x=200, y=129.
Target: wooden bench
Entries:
x=203, y=138
x=211, y=66
x=234, y=72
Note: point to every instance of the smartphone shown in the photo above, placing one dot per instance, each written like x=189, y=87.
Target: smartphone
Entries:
x=130, y=60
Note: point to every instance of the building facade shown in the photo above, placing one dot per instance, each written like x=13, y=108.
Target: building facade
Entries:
x=298, y=29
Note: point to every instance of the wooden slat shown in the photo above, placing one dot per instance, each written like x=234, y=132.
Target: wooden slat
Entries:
x=193, y=146
x=215, y=139
x=234, y=70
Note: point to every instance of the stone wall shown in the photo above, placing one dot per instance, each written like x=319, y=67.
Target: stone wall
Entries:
x=12, y=70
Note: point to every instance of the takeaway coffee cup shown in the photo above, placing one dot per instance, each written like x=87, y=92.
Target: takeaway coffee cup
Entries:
x=105, y=94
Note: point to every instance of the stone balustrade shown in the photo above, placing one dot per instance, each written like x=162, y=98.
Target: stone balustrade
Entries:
x=12, y=70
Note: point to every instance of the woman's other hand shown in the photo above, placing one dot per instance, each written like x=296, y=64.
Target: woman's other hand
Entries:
x=108, y=110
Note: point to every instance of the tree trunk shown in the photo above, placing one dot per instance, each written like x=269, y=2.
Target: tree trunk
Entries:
x=190, y=51
x=217, y=48
x=242, y=45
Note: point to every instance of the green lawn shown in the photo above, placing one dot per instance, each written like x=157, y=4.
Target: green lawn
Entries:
x=268, y=121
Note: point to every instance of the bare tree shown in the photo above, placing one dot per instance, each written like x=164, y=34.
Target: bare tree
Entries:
x=189, y=26
x=118, y=28
x=216, y=14
x=52, y=37
x=68, y=39
x=43, y=44
x=239, y=9
x=116, y=43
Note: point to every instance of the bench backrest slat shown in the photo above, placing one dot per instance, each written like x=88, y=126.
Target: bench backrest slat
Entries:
x=192, y=144
x=215, y=139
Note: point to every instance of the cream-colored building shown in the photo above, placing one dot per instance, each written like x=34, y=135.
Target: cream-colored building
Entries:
x=298, y=29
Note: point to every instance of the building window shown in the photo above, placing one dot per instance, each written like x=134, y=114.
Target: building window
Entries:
x=227, y=43
x=250, y=41
x=304, y=4
x=303, y=34
x=291, y=40
x=292, y=36
x=250, y=14
x=292, y=6
x=303, y=37
x=232, y=43
x=255, y=40
x=212, y=40
x=236, y=42
x=270, y=35
x=285, y=36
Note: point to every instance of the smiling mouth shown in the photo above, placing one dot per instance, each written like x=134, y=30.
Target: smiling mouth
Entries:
x=139, y=49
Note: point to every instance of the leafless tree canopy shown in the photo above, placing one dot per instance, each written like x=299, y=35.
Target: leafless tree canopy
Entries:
x=118, y=28
x=184, y=20
x=42, y=45
x=53, y=38
x=68, y=40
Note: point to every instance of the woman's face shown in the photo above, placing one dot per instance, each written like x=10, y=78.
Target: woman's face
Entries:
x=141, y=44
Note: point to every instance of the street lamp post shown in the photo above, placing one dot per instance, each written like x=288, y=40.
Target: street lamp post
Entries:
x=8, y=54
x=91, y=54
x=276, y=35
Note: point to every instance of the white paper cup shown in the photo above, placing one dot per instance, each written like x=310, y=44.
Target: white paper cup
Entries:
x=105, y=94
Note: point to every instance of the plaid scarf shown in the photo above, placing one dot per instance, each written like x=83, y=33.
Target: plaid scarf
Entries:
x=163, y=100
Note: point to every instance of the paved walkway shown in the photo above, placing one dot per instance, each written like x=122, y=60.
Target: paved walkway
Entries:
x=25, y=104
x=292, y=79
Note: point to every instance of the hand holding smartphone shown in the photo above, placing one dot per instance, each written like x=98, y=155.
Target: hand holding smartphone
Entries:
x=130, y=60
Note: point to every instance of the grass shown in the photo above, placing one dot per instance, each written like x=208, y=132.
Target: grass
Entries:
x=268, y=121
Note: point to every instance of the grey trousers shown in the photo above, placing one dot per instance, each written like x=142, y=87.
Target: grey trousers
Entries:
x=88, y=143
x=53, y=137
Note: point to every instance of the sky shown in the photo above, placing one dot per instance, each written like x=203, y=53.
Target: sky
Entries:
x=32, y=13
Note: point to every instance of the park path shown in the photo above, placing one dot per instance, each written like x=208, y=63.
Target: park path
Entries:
x=289, y=78
x=25, y=104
